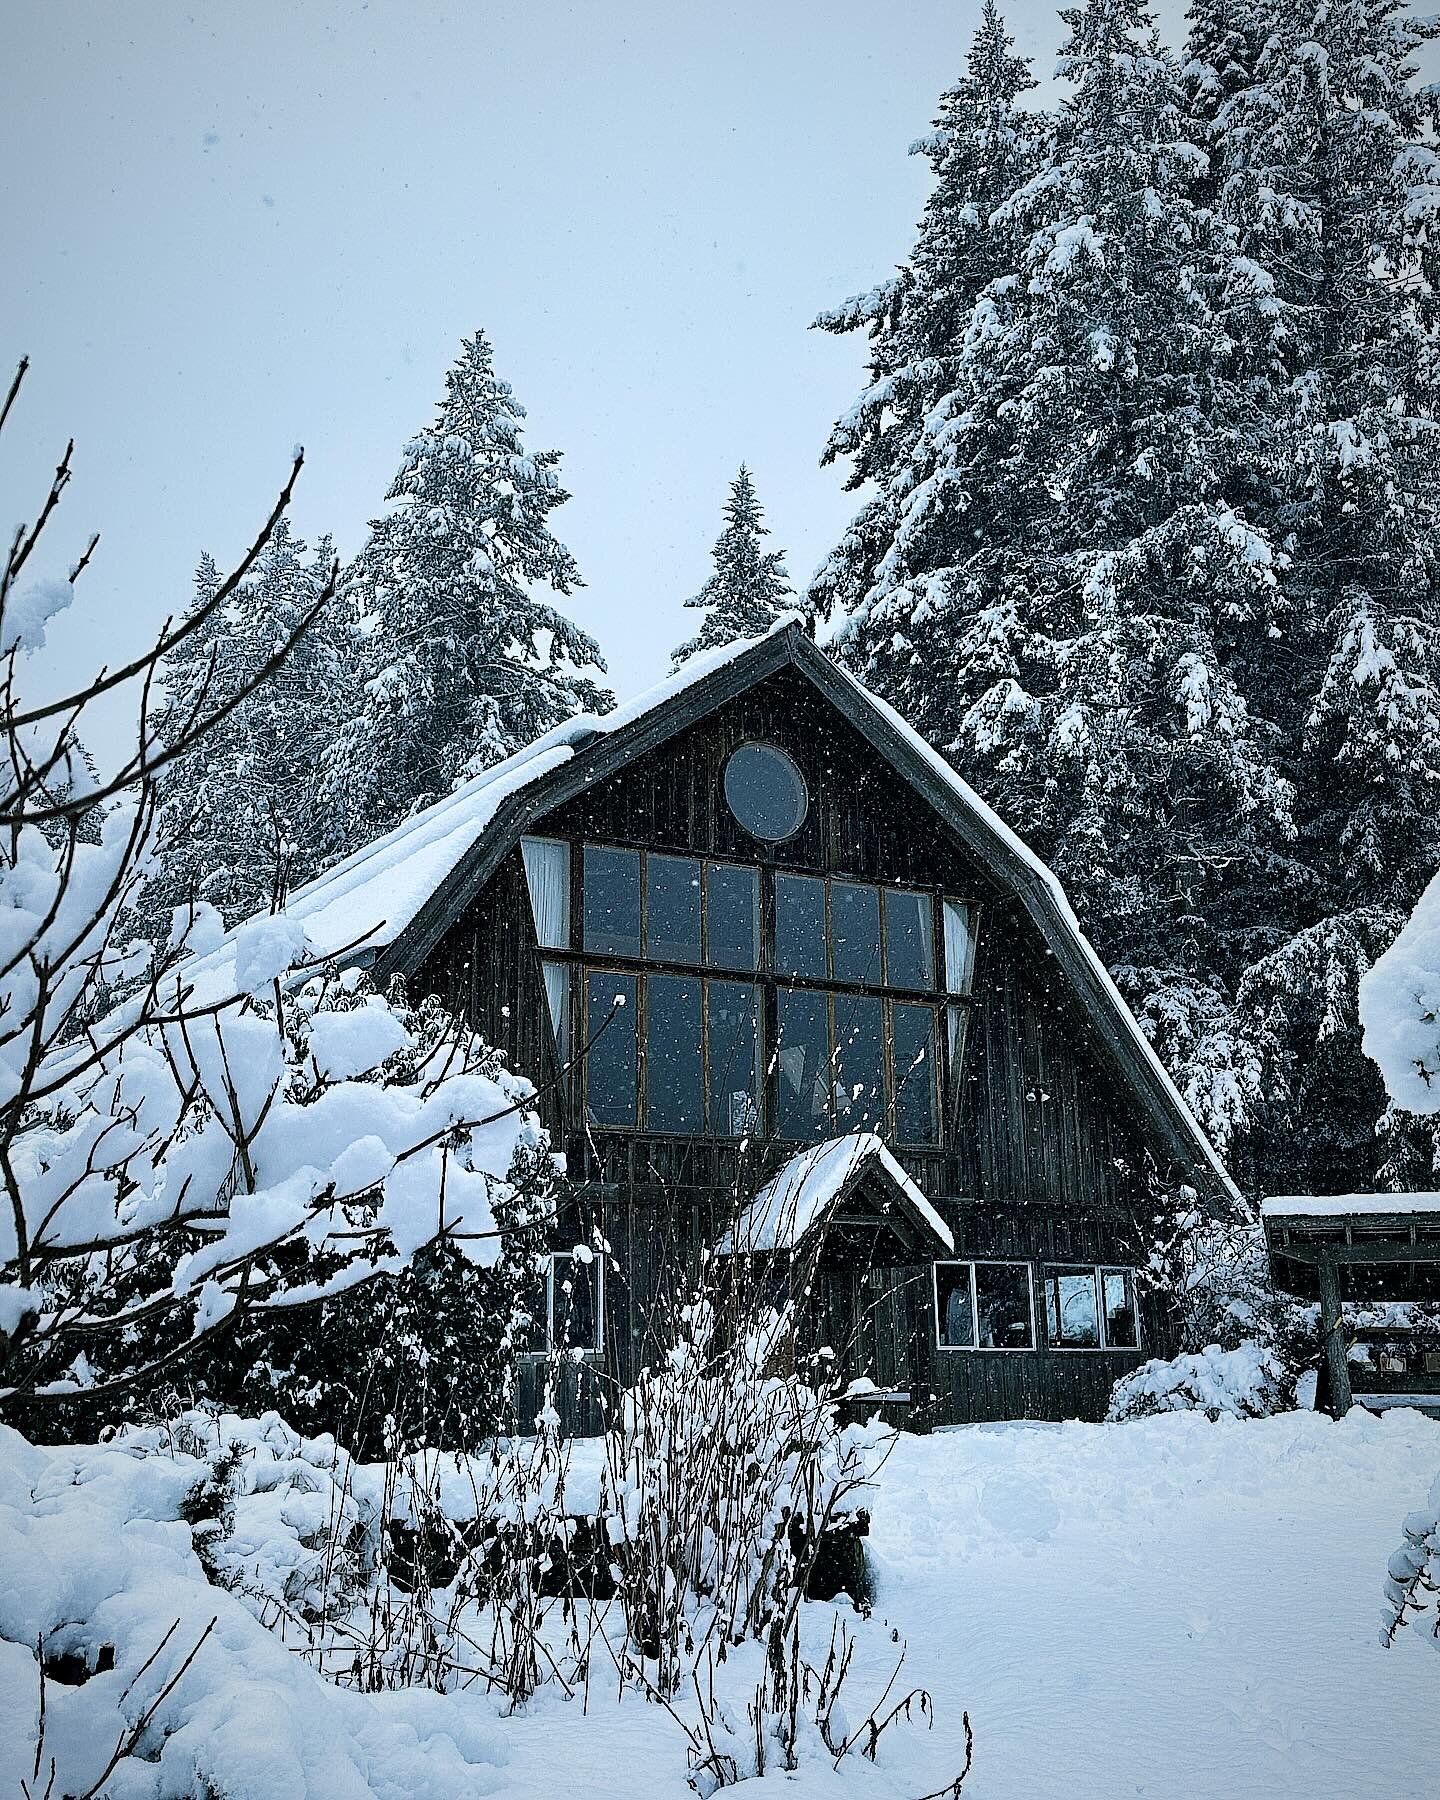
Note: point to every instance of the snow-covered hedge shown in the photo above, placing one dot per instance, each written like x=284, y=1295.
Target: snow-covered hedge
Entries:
x=1248, y=1382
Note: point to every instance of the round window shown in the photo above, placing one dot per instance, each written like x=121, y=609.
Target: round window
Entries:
x=766, y=792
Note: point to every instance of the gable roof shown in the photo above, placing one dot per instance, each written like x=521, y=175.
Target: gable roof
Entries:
x=806, y=1190
x=398, y=896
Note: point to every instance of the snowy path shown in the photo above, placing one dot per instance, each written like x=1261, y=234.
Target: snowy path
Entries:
x=1172, y=1609
x=1175, y=1610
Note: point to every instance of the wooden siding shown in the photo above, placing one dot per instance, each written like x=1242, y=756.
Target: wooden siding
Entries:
x=1045, y=1156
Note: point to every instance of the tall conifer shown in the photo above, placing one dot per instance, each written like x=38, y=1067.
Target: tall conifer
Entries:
x=749, y=587
x=464, y=659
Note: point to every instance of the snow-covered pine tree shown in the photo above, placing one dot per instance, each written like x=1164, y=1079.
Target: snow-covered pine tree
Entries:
x=1072, y=585
x=240, y=813
x=1222, y=48
x=463, y=661
x=749, y=587
x=982, y=146
x=1326, y=176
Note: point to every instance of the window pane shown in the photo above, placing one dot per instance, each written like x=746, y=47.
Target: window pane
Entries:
x=909, y=945
x=672, y=909
x=1071, y=1316
x=916, y=1112
x=533, y=1313
x=859, y=1063
x=611, y=1063
x=1002, y=1306
x=802, y=1060
x=732, y=916
x=954, y=1316
x=733, y=1009
x=1120, y=1322
x=765, y=791
x=800, y=925
x=547, y=872
x=674, y=1096
x=612, y=901
x=855, y=932
x=574, y=1312
x=959, y=948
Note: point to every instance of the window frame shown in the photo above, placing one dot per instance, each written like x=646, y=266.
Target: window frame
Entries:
x=1102, y=1345
x=976, y=1348
x=949, y=1011
x=551, y=1348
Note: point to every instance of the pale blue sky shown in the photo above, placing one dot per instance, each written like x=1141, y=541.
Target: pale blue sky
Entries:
x=229, y=228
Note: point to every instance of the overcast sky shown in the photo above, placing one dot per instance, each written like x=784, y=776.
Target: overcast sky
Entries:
x=232, y=228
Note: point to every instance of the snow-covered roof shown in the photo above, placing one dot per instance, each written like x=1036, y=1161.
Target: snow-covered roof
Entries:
x=1331, y=1206
x=376, y=896
x=796, y=1198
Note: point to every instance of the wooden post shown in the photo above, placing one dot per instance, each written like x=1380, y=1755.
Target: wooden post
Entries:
x=1332, y=1338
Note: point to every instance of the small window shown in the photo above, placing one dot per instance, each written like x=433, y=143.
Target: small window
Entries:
x=909, y=945
x=732, y=1023
x=800, y=926
x=766, y=792
x=984, y=1306
x=732, y=916
x=1122, y=1324
x=855, y=932
x=674, y=1068
x=612, y=901
x=672, y=909
x=802, y=1063
x=955, y=1305
x=568, y=1308
x=1004, y=1317
x=916, y=1083
x=612, y=1060
x=1072, y=1314
x=1092, y=1309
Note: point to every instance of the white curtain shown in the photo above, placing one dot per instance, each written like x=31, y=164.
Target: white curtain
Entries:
x=557, y=993
x=547, y=869
x=959, y=948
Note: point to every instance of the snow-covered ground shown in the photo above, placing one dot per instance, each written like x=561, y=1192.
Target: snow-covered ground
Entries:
x=1168, y=1608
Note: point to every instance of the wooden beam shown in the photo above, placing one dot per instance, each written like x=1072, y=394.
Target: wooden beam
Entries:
x=1421, y=1250
x=1333, y=1341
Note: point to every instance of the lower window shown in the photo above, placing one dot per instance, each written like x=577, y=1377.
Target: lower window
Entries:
x=1091, y=1309
x=568, y=1313
x=984, y=1306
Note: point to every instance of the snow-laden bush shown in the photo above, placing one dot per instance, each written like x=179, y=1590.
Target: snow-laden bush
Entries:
x=1248, y=1382
x=722, y=1477
x=162, y=1685
x=238, y=1163
x=1412, y=1578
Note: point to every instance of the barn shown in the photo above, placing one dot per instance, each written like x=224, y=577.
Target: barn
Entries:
x=782, y=979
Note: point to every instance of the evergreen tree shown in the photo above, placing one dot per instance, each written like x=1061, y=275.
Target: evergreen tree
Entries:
x=1326, y=174
x=240, y=813
x=749, y=587
x=1222, y=49
x=462, y=661
x=982, y=146
x=1073, y=583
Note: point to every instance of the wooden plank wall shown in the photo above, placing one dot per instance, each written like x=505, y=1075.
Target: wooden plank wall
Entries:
x=1046, y=1158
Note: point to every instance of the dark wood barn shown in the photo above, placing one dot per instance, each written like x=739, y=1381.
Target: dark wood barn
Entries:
x=750, y=916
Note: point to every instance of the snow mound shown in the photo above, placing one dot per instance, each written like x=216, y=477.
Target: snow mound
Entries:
x=1248, y=1382
x=102, y=1568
